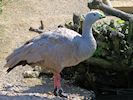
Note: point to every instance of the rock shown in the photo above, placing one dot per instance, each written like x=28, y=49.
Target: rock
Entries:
x=31, y=74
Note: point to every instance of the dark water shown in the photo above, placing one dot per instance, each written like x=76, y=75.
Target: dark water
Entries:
x=115, y=97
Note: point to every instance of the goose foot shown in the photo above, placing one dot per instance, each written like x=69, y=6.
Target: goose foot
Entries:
x=59, y=92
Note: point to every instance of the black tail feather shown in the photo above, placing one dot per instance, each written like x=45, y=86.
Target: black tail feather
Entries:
x=9, y=69
x=23, y=63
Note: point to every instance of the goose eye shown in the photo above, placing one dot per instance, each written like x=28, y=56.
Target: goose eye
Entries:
x=94, y=14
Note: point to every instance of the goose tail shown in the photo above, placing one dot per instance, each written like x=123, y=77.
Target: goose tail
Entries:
x=16, y=58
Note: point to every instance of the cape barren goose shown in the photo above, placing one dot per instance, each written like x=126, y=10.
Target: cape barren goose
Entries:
x=57, y=49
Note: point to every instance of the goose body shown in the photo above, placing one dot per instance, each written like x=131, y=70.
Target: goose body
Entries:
x=54, y=50
x=57, y=49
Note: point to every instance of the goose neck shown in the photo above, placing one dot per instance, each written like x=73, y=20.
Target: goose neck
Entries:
x=87, y=30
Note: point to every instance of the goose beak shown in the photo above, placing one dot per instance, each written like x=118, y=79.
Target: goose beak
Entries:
x=102, y=15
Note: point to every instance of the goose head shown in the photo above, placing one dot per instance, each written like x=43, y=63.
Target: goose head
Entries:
x=93, y=16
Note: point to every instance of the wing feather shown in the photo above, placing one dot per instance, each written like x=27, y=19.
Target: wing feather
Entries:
x=41, y=48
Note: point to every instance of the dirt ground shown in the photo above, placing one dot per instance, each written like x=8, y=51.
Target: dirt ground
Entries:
x=14, y=86
x=15, y=20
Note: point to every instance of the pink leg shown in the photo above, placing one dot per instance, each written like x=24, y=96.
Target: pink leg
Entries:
x=57, y=86
x=57, y=78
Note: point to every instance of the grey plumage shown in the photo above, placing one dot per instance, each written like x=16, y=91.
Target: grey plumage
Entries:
x=58, y=48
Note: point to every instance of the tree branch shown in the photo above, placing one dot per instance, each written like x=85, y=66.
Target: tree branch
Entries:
x=98, y=4
x=39, y=30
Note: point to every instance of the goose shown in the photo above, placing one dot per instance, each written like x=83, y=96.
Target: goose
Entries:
x=57, y=49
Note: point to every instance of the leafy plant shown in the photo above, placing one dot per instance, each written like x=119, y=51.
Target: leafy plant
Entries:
x=114, y=42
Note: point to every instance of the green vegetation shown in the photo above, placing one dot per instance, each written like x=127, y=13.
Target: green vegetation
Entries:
x=3, y=3
x=0, y=6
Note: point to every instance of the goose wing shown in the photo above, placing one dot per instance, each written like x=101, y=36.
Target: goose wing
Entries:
x=45, y=46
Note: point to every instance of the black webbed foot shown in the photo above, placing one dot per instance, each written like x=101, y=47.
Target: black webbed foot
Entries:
x=59, y=92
